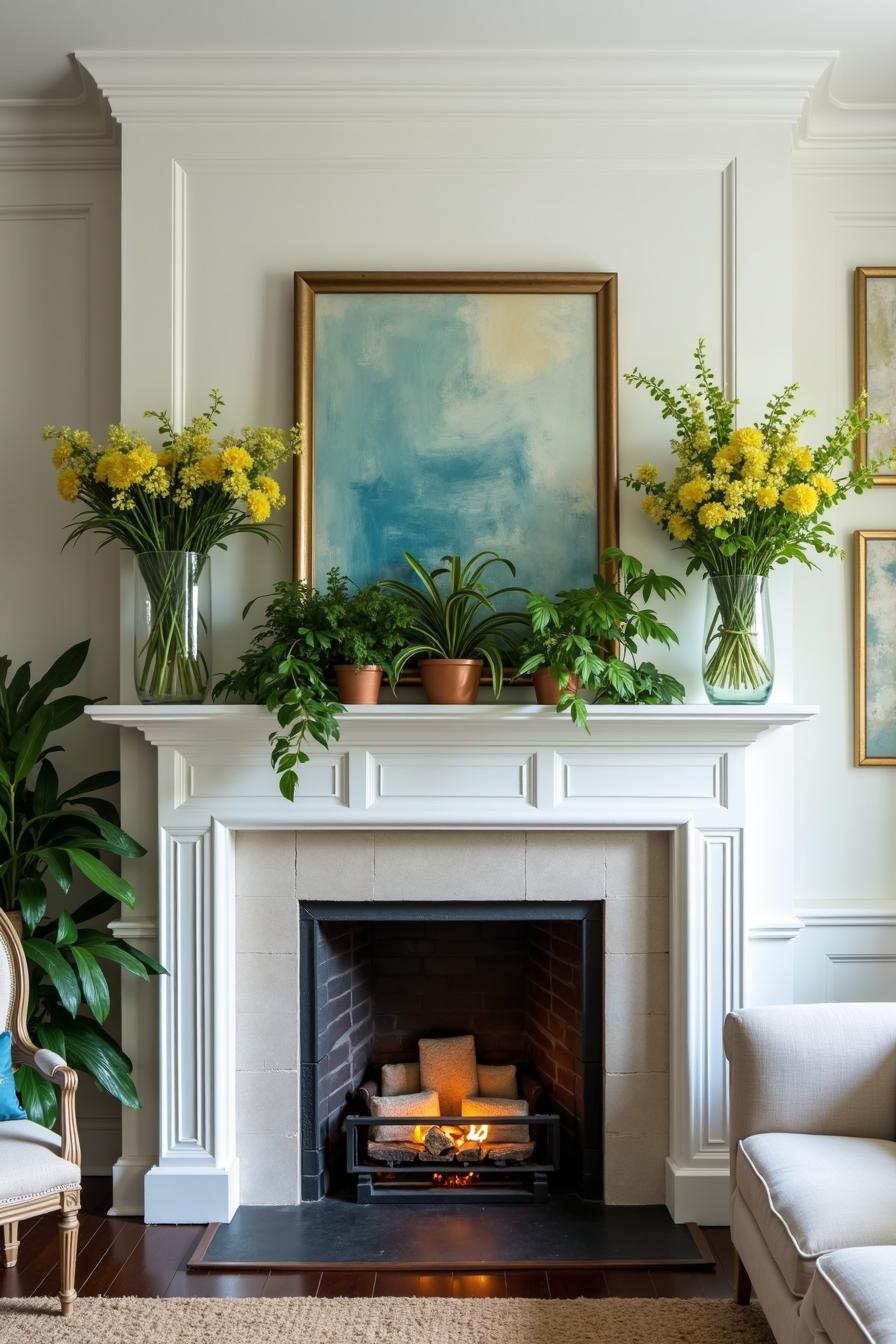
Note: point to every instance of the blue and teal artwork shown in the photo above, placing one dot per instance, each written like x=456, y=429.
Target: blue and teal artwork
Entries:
x=880, y=648
x=454, y=423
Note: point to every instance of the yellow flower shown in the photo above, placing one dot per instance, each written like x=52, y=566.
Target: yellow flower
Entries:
x=270, y=488
x=802, y=458
x=142, y=460
x=68, y=484
x=653, y=507
x=157, y=482
x=183, y=497
x=766, y=496
x=122, y=501
x=692, y=492
x=235, y=458
x=702, y=440
x=116, y=469
x=748, y=437
x=800, y=499
x=61, y=453
x=236, y=484
x=712, y=514
x=735, y=493
x=681, y=527
x=824, y=485
x=211, y=467
x=258, y=506
x=755, y=462
x=647, y=473
x=191, y=476
x=166, y=458
x=727, y=457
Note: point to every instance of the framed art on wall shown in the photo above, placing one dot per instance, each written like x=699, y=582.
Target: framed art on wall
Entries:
x=875, y=651
x=453, y=413
x=875, y=365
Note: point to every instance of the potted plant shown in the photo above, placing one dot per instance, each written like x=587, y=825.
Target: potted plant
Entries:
x=285, y=668
x=368, y=627
x=586, y=639
x=457, y=629
x=171, y=508
x=742, y=501
x=50, y=834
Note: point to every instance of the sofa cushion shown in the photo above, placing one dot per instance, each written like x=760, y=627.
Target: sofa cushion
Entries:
x=852, y=1297
x=30, y=1162
x=812, y=1193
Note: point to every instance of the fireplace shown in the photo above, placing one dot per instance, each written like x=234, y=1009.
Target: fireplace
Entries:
x=525, y=978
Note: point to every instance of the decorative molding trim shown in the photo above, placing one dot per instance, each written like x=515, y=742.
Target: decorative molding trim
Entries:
x=178, y=293
x=130, y=929
x=729, y=279
x=767, y=86
x=834, y=136
x=41, y=134
x=842, y=917
x=775, y=930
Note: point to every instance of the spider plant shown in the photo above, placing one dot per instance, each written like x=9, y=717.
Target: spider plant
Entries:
x=458, y=619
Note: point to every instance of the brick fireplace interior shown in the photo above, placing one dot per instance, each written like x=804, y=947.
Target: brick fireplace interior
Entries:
x=525, y=978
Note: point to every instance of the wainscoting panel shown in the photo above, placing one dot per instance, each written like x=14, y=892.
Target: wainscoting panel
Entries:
x=845, y=956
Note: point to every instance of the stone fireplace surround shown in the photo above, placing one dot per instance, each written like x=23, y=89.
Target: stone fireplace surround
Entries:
x=514, y=779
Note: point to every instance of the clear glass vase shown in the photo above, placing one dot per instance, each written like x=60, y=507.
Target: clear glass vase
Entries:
x=172, y=627
x=738, y=648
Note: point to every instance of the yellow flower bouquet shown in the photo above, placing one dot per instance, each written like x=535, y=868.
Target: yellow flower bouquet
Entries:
x=171, y=507
x=742, y=501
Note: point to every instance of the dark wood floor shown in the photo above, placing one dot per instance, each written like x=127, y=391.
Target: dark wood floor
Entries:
x=120, y=1257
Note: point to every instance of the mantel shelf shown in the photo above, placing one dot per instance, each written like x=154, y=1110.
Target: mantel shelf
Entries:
x=468, y=724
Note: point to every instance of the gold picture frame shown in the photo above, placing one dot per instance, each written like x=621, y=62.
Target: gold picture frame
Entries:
x=309, y=286
x=864, y=274
x=864, y=740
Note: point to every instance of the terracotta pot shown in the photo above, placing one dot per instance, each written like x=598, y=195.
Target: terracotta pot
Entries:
x=358, y=685
x=450, y=681
x=547, y=688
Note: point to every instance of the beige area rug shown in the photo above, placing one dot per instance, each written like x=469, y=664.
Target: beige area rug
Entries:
x=383, y=1320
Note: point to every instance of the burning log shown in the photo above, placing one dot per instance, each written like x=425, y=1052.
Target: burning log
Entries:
x=438, y=1144
x=513, y=1153
x=470, y=1152
x=397, y=1152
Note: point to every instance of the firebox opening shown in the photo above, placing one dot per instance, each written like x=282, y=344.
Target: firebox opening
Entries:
x=524, y=978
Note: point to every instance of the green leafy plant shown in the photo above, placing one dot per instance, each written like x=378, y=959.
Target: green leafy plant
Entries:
x=53, y=834
x=593, y=633
x=285, y=669
x=369, y=624
x=462, y=622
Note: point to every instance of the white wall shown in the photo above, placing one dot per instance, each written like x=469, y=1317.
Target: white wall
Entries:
x=59, y=333
x=845, y=840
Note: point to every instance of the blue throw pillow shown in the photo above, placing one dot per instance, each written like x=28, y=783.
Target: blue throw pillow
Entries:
x=9, y=1102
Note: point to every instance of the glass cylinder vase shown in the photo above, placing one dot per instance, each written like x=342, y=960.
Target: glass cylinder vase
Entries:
x=738, y=648
x=172, y=627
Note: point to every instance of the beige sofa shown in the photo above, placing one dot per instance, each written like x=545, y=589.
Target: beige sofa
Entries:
x=813, y=1169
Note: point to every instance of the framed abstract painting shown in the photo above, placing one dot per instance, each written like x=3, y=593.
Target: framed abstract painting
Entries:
x=448, y=413
x=875, y=352
x=875, y=636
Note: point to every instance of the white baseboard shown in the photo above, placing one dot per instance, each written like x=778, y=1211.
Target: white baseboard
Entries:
x=695, y=1195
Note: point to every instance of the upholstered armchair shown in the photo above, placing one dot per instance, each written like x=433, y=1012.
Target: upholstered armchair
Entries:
x=39, y=1169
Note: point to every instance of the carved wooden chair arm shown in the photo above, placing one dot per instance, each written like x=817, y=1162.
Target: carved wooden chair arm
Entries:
x=62, y=1075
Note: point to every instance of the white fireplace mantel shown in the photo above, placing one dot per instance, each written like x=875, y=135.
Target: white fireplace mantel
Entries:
x=697, y=771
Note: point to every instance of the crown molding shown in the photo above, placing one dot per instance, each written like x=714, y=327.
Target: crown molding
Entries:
x=768, y=86
x=833, y=135
x=62, y=133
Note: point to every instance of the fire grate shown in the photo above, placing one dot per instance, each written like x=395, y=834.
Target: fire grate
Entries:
x=483, y=1181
